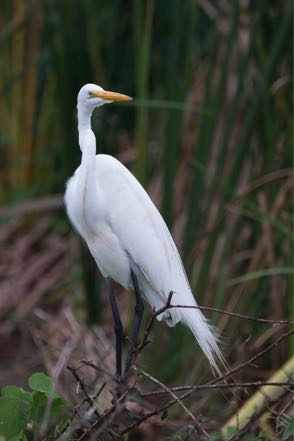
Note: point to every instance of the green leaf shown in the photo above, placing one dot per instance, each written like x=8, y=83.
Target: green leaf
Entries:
x=11, y=391
x=14, y=416
x=289, y=430
x=17, y=393
x=57, y=406
x=39, y=407
x=42, y=383
x=46, y=409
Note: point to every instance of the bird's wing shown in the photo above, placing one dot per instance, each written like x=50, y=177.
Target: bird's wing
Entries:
x=139, y=226
x=144, y=236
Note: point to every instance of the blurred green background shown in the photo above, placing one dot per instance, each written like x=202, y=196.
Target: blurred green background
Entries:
x=209, y=135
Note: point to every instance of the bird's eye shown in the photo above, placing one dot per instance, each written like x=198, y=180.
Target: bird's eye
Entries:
x=90, y=94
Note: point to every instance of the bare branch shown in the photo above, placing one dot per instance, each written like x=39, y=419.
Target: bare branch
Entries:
x=170, y=391
x=81, y=383
x=94, y=366
x=166, y=406
x=146, y=337
x=95, y=428
x=234, y=314
x=255, y=357
x=239, y=436
x=98, y=426
x=236, y=385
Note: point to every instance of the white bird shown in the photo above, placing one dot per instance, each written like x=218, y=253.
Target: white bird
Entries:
x=127, y=236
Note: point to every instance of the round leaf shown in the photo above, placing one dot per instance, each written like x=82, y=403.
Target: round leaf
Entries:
x=14, y=416
x=17, y=393
x=41, y=383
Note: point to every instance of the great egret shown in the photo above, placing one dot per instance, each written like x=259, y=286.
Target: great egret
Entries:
x=127, y=236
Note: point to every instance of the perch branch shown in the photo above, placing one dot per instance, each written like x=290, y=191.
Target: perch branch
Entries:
x=166, y=406
x=234, y=314
x=236, y=385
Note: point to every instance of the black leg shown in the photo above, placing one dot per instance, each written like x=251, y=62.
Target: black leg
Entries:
x=118, y=329
x=139, y=309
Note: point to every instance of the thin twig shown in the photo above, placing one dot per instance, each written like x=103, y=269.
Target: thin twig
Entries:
x=255, y=357
x=146, y=337
x=215, y=386
x=99, y=425
x=239, y=436
x=73, y=427
x=282, y=412
x=166, y=406
x=103, y=421
x=170, y=391
x=234, y=314
x=94, y=366
x=88, y=398
x=99, y=391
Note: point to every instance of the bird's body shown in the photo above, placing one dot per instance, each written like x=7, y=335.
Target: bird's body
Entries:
x=125, y=233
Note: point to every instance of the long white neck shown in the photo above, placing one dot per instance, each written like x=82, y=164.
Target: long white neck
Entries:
x=87, y=138
x=87, y=183
x=87, y=141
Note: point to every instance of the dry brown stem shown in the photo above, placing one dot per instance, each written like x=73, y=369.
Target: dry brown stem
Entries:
x=116, y=413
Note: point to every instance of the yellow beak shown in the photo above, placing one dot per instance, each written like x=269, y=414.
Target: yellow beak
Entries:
x=112, y=96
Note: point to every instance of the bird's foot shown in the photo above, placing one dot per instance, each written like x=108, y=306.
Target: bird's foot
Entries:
x=118, y=378
x=118, y=387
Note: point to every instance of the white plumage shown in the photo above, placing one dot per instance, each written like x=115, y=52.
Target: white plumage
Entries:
x=124, y=230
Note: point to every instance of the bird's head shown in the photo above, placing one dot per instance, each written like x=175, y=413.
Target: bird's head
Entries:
x=92, y=96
